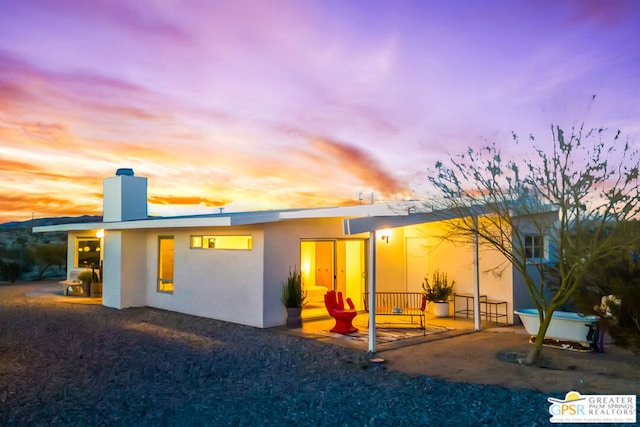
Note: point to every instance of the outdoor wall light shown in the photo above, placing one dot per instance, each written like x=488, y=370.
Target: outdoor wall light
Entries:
x=100, y=234
x=385, y=234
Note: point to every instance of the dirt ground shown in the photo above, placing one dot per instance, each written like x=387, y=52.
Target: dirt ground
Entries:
x=475, y=358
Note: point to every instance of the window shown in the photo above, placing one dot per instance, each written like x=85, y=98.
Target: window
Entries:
x=222, y=242
x=87, y=252
x=165, y=264
x=534, y=246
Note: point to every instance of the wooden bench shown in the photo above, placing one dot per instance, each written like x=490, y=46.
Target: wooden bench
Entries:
x=400, y=304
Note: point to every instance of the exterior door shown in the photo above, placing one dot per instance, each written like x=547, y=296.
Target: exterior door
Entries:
x=338, y=265
x=325, y=271
x=317, y=264
x=351, y=270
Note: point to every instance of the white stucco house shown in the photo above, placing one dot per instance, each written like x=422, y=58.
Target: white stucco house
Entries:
x=230, y=266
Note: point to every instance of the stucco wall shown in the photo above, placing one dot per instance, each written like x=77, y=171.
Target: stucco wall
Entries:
x=111, y=280
x=217, y=283
x=456, y=258
x=544, y=224
x=281, y=251
x=390, y=266
x=245, y=286
x=233, y=285
x=133, y=268
x=124, y=270
x=521, y=297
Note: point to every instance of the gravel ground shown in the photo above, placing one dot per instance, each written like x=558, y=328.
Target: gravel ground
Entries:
x=70, y=364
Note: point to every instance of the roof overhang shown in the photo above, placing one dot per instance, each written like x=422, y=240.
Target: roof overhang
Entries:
x=369, y=224
x=352, y=226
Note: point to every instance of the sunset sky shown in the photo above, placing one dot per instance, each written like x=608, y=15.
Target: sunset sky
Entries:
x=272, y=104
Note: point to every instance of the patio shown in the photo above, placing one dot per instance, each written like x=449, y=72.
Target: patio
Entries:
x=391, y=331
x=54, y=292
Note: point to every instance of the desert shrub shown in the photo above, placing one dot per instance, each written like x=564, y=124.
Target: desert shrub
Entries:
x=619, y=277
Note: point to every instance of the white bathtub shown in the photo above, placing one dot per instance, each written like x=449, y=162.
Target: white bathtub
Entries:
x=564, y=325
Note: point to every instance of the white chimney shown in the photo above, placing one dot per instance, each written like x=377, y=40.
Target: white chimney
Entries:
x=125, y=197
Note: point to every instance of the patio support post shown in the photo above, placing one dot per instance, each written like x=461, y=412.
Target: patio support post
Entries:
x=476, y=277
x=372, y=292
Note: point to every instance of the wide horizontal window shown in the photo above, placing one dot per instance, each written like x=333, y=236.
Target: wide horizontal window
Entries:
x=222, y=242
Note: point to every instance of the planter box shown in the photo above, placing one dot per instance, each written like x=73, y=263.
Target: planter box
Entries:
x=441, y=309
x=293, y=317
x=96, y=290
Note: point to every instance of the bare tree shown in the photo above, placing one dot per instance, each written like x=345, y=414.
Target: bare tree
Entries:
x=49, y=254
x=554, y=211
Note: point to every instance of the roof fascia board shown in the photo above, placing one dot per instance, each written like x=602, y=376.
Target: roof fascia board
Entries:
x=141, y=224
x=68, y=227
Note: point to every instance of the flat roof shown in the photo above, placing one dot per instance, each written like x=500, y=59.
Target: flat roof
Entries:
x=356, y=218
x=237, y=218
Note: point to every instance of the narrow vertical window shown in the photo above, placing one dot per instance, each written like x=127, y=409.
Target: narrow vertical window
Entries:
x=165, y=264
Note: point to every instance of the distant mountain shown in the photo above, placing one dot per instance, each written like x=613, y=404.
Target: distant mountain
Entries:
x=37, y=222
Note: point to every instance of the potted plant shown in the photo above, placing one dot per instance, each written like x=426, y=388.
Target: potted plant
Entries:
x=438, y=293
x=86, y=277
x=292, y=297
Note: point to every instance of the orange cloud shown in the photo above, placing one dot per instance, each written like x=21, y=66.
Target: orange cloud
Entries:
x=305, y=199
x=9, y=166
x=359, y=163
x=16, y=207
x=182, y=200
x=21, y=172
x=32, y=134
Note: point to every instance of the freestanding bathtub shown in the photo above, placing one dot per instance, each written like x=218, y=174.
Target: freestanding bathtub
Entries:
x=564, y=325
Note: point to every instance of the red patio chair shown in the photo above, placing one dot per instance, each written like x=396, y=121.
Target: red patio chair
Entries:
x=344, y=317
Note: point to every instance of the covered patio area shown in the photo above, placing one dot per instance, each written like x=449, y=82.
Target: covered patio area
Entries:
x=425, y=249
x=391, y=331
